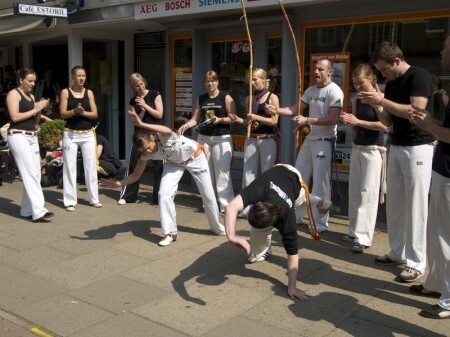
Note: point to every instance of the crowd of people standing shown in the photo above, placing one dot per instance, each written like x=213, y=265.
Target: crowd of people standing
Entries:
x=417, y=228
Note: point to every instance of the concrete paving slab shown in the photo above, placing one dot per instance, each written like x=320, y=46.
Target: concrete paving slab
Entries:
x=207, y=307
x=7, y=272
x=128, y=325
x=33, y=238
x=38, y=257
x=63, y=314
x=118, y=294
x=24, y=289
x=89, y=268
x=177, y=271
x=244, y=327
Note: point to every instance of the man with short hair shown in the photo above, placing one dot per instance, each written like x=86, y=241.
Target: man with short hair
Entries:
x=324, y=99
x=437, y=283
x=410, y=158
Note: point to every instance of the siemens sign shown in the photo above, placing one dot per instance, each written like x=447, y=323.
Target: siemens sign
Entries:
x=52, y=12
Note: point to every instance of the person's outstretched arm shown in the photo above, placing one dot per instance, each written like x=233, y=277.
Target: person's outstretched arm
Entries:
x=152, y=127
x=231, y=212
x=292, y=279
x=137, y=173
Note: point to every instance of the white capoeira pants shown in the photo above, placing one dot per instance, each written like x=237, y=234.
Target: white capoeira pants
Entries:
x=88, y=145
x=219, y=151
x=261, y=238
x=438, y=239
x=408, y=184
x=314, y=161
x=172, y=173
x=259, y=156
x=25, y=149
x=364, y=192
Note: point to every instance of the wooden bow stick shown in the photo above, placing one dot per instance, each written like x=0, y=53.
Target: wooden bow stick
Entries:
x=250, y=72
x=304, y=129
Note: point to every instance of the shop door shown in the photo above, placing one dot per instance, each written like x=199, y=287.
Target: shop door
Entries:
x=104, y=64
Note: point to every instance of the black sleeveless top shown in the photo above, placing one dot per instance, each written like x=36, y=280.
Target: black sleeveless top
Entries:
x=260, y=128
x=79, y=122
x=365, y=136
x=26, y=104
x=150, y=101
x=214, y=106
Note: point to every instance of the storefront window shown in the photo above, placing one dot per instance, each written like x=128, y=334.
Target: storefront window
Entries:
x=231, y=60
x=182, y=81
x=349, y=44
x=420, y=39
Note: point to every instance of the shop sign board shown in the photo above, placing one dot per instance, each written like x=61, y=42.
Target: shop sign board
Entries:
x=36, y=10
x=164, y=8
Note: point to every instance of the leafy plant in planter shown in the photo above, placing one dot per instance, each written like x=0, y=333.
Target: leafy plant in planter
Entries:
x=50, y=133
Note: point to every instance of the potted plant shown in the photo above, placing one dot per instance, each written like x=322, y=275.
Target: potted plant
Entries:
x=50, y=134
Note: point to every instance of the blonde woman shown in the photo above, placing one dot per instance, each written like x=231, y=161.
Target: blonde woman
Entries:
x=78, y=109
x=216, y=137
x=260, y=149
x=149, y=106
x=366, y=162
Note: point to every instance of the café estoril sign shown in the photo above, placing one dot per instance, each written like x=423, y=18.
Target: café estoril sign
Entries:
x=36, y=10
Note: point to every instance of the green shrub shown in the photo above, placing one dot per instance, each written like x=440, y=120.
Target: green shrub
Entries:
x=50, y=133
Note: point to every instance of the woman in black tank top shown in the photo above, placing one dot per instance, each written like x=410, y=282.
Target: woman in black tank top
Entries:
x=78, y=109
x=23, y=143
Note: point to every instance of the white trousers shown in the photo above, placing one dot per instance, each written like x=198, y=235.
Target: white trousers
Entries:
x=87, y=143
x=261, y=238
x=408, y=184
x=314, y=161
x=438, y=239
x=364, y=192
x=198, y=168
x=219, y=152
x=25, y=149
x=259, y=156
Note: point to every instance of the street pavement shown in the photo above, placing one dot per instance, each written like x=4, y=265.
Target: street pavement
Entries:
x=100, y=273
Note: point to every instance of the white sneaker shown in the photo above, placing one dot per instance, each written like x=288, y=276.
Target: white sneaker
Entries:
x=261, y=257
x=121, y=202
x=70, y=208
x=168, y=239
x=98, y=205
x=326, y=205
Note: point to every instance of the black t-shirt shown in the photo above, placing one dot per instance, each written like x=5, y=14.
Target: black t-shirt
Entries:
x=414, y=82
x=213, y=106
x=150, y=101
x=441, y=158
x=280, y=186
x=259, y=128
x=108, y=153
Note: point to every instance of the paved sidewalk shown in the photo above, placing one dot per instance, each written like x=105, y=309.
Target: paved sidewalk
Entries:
x=99, y=273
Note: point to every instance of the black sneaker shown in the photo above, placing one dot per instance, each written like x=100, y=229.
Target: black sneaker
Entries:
x=419, y=289
x=435, y=311
x=45, y=217
x=386, y=261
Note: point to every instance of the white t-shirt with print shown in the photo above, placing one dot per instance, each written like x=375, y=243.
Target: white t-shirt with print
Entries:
x=319, y=101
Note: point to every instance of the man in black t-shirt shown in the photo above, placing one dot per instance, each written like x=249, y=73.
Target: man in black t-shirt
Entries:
x=410, y=158
x=274, y=197
x=437, y=283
